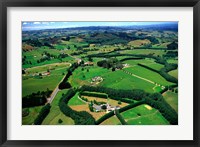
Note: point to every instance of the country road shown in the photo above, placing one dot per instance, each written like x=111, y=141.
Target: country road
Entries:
x=50, y=99
x=55, y=91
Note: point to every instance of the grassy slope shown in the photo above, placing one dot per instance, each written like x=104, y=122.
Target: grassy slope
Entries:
x=111, y=121
x=148, y=74
x=172, y=99
x=35, y=55
x=174, y=73
x=117, y=79
x=144, y=51
x=33, y=113
x=75, y=101
x=55, y=113
x=121, y=80
x=148, y=116
x=31, y=85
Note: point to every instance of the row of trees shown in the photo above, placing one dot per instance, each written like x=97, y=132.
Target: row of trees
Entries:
x=94, y=94
x=121, y=119
x=42, y=115
x=36, y=99
x=64, y=84
x=135, y=94
x=80, y=118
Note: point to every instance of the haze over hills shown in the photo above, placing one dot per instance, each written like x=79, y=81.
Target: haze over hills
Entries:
x=91, y=26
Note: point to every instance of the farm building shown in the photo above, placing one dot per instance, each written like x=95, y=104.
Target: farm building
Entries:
x=45, y=73
x=88, y=63
x=97, y=79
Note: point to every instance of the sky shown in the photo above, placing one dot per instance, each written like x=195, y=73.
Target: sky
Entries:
x=53, y=25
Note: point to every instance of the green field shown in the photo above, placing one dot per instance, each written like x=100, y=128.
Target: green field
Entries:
x=33, y=56
x=172, y=61
x=174, y=73
x=121, y=80
x=141, y=61
x=144, y=51
x=75, y=101
x=55, y=114
x=33, y=113
x=144, y=115
x=80, y=77
x=148, y=74
x=44, y=68
x=154, y=65
x=34, y=84
x=111, y=121
x=172, y=99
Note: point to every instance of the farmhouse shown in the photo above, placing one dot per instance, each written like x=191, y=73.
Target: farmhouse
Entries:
x=109, y=108
x=45, y=73
x=78, y=61
x=97, y=79
x=88, y=63
x=97, y=108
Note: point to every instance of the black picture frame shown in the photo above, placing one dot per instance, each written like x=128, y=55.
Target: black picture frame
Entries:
x=4, y=4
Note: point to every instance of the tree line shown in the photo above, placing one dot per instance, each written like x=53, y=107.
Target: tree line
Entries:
x=42, y=114
x=36, y=99
x=64, y=84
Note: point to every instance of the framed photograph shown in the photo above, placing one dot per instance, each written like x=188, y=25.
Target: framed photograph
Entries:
x=99, y=73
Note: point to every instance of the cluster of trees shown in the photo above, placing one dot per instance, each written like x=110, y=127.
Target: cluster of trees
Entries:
x=90, y=105
x=110, y=63
x=80, y=118
x=64, y=84
x=36, y=99
x=171, y=54
x=172, y=46
x=42, y=115
x=33, y=42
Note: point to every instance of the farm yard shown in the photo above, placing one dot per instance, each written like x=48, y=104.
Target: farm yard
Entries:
x=100, y=76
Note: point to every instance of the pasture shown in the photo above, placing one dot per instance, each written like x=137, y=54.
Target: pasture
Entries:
x=144, y=115
x=172, y=99
x=111, y=121
x=35, y=55
x=75, y=101
x=148, y=74
x=154, y=65
x=147, y=51
x=35, y=83
x=174, y=73
x=55, y=114
x=33, y=113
